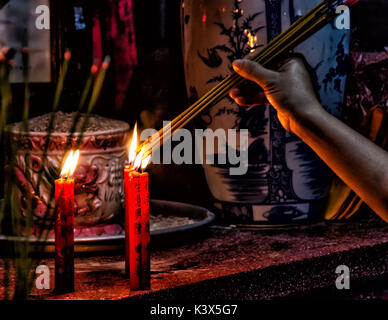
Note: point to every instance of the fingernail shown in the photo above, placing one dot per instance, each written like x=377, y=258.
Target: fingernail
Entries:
x=236, y=91
x=237, y=64
x=240, y=100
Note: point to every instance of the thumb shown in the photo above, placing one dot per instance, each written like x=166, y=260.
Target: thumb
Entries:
x=255, y=72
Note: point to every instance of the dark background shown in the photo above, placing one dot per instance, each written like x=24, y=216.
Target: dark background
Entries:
x=157, y=91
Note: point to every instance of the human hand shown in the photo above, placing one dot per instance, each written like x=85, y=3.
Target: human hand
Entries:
x=289, y=90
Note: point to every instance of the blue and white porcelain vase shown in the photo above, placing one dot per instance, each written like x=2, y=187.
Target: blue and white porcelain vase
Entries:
x=286, y=182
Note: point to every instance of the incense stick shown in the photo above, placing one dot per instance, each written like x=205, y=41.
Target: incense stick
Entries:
x=57, y=99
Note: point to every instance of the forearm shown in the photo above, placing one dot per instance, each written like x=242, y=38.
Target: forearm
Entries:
x=360, y=163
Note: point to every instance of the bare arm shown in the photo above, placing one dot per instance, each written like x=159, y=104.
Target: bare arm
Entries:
x=360, y=163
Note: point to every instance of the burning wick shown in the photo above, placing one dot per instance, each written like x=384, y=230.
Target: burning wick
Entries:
x=138, y=160
x=133, y=147
x=64, y=225
x=70, y=164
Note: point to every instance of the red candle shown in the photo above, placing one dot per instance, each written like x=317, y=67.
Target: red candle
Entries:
x=145, y=222
x=135, y=233
x=132, y=229
x=137, y=230
x=129, y=194
x=64, y=226
x=128, y=170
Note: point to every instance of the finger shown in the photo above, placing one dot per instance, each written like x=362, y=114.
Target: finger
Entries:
x=241, y=101
x=234, y=93
x=255, y=72
x=284, y=121
x=247, y=89
x=258, y=100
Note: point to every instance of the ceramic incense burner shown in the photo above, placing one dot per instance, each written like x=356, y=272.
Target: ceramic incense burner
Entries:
x=99, y=192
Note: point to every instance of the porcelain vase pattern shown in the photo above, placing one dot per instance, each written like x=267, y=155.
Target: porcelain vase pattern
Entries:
x=286, y=182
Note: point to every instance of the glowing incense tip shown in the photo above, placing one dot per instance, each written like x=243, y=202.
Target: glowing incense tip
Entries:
x=94, y=69
x=106, y=63
x=67, y=55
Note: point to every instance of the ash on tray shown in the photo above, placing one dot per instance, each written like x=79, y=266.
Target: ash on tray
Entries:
x=158, y=222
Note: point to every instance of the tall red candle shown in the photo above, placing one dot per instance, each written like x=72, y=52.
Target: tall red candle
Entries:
x=64, y=227
x=145, y=223
x=128, y=170
x=133, y=228
x=128, y=191
x=137, y=219
x=135, y=235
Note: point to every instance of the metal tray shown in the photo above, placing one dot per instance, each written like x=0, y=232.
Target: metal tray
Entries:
x=159, y=238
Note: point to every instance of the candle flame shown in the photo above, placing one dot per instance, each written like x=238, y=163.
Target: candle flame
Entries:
x=138, y=159
x=70, y=164
x=145, y=162
x=133, y=146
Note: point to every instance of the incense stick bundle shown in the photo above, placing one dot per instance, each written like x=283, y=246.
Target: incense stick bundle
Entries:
x=310, y=23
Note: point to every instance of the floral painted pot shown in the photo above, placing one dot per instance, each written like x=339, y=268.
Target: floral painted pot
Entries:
x=98, y=178
x=286, y=182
